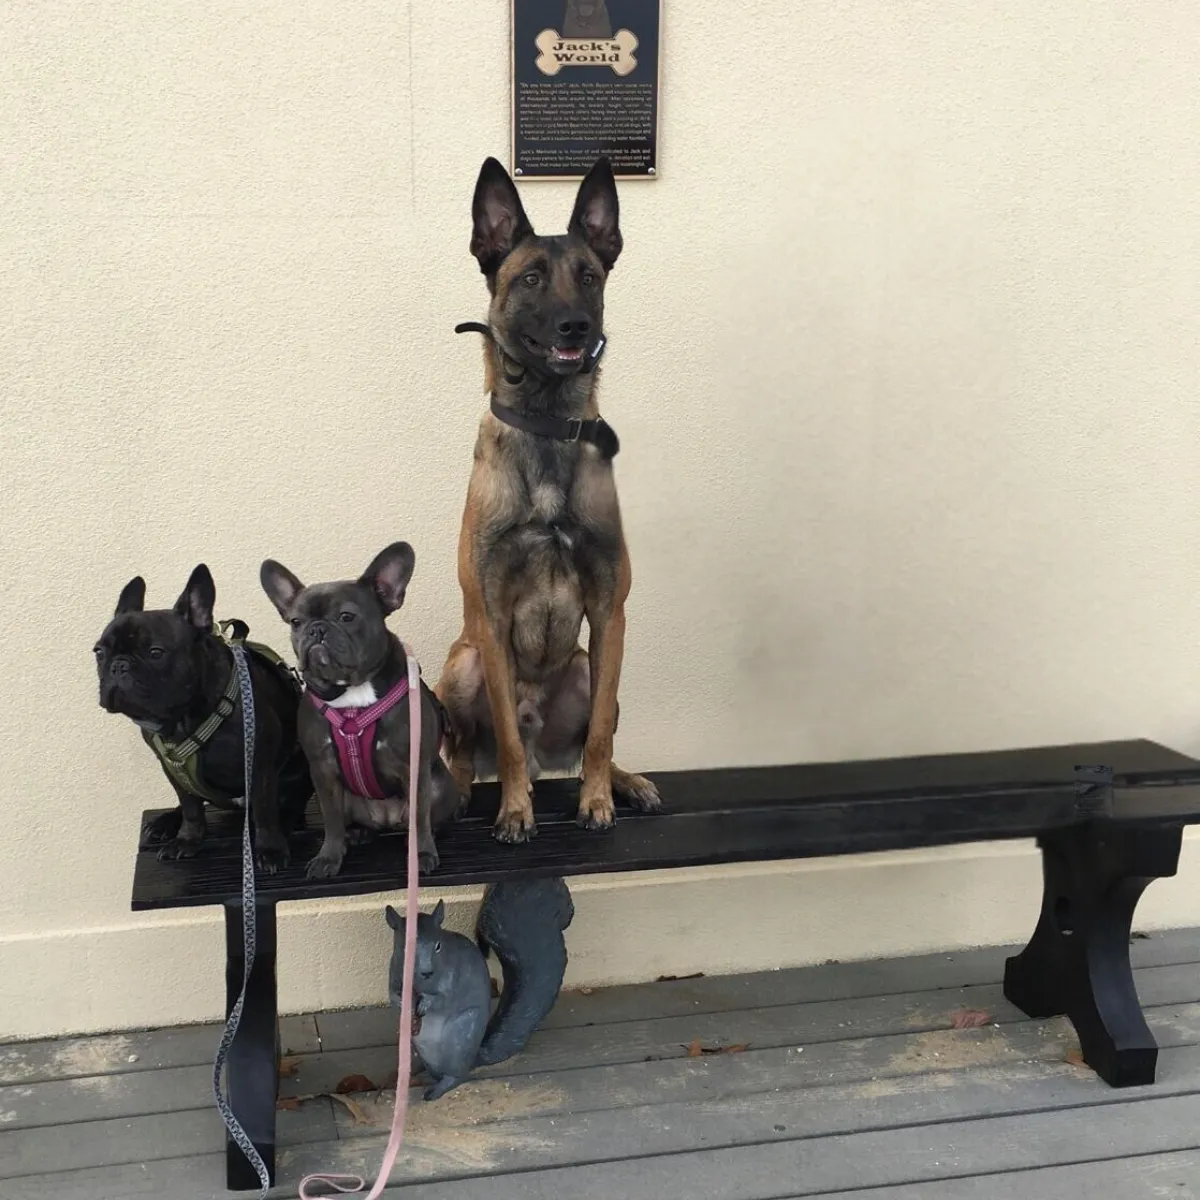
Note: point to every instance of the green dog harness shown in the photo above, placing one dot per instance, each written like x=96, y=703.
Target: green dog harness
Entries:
x=181, y=759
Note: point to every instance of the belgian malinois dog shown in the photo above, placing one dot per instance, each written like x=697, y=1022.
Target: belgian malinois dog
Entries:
x=541, y=545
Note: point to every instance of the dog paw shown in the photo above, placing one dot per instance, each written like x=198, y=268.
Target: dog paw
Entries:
x=271, y=859
x=427, y=861
x=596, y=811
x=639, y=793
x=164, y=828
x=324, y=866
x=178, y=849
x=515, y=828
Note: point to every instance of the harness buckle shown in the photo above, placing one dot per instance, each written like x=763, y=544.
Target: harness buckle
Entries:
x=575, y=428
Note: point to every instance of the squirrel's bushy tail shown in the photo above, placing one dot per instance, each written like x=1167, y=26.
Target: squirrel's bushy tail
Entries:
x=522, y=921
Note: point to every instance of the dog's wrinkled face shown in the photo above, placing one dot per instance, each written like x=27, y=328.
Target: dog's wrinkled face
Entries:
x=339, y=630
x=149, y=663
x=547, y=292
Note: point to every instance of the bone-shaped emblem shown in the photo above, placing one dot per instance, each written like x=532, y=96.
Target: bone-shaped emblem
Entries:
x=556, y=52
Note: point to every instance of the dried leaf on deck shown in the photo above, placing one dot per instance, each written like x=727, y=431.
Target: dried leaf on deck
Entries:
x=353, y=1108
x=969, y=1018
x=695, y=1049
x=1075, y=1057
x=288, y=1068
x=289, y=1103
x=355, y=1083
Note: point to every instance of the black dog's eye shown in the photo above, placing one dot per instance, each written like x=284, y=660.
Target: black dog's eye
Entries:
x=97, y=650
x=295, y=622
x=346, y=617
x=437, y=947
x=587, y=278
x=532, y=279
x=156, y=652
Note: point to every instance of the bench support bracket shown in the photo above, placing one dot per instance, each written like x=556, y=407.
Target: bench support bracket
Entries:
x=1077, y=962
x=253, y=1062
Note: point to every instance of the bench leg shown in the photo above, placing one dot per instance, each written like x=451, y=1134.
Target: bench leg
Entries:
x=1077, y=961
x=252, y=1066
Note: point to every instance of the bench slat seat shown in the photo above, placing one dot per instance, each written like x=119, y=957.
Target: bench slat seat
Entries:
x=727, y=815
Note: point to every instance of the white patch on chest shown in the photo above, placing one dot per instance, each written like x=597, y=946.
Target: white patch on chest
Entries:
x=547, y=501
x=361, y=695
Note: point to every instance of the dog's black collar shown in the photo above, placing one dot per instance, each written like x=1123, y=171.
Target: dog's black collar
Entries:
x=589, y=363
x=597, y=432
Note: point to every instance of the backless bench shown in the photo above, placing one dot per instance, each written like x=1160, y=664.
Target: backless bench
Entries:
x=1108, y=818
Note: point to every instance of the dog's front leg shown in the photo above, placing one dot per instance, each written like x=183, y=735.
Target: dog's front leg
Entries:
x=606, y=648
x=332, y=797
x=515, y=821
x=270, y=846
x=427, y=854
x=191, y=827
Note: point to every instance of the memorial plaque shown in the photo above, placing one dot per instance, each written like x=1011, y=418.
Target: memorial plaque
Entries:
x=584, y=84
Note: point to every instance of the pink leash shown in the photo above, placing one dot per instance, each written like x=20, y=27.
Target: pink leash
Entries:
x=342, y=1183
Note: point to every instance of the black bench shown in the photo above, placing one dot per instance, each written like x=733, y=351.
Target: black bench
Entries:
x=1108, y=818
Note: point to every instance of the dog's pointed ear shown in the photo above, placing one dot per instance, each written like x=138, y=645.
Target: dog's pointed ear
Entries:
x=281, y=586
x=500, y=223
x=439, y=913
x=394, y=919
x=597, y=214
x=198, y=598
x=132, y=597
x=388, y=575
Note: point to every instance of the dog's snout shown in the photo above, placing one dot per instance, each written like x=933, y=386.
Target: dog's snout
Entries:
x=574, y=325
x=119, y=668
x=316, y=632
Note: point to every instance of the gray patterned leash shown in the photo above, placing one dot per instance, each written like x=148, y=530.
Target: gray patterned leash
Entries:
x=249, y=928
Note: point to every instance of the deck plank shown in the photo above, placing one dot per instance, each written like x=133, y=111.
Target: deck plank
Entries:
x=111, y=1142
x=794, y=1167
x=137, y=1050
x=1147, y=1177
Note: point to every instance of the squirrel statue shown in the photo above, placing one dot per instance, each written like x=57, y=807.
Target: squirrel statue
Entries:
x=452, y=994
x=522, y=921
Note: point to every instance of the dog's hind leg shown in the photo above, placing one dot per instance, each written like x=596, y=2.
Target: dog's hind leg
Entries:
x=568, y=711
x=460, y=691
x=636, y=790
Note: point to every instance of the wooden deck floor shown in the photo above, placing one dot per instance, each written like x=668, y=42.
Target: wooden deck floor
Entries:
x=852, y=1083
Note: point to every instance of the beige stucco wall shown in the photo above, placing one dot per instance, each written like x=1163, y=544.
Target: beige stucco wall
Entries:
x=903, y=357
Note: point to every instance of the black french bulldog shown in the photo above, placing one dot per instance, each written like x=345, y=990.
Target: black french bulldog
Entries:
x=350, y=662
x=172, y=675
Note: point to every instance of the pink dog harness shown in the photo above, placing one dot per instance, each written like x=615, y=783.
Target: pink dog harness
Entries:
x=353, y=731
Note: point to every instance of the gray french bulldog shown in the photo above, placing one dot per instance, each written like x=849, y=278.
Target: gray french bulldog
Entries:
x=349, y=661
